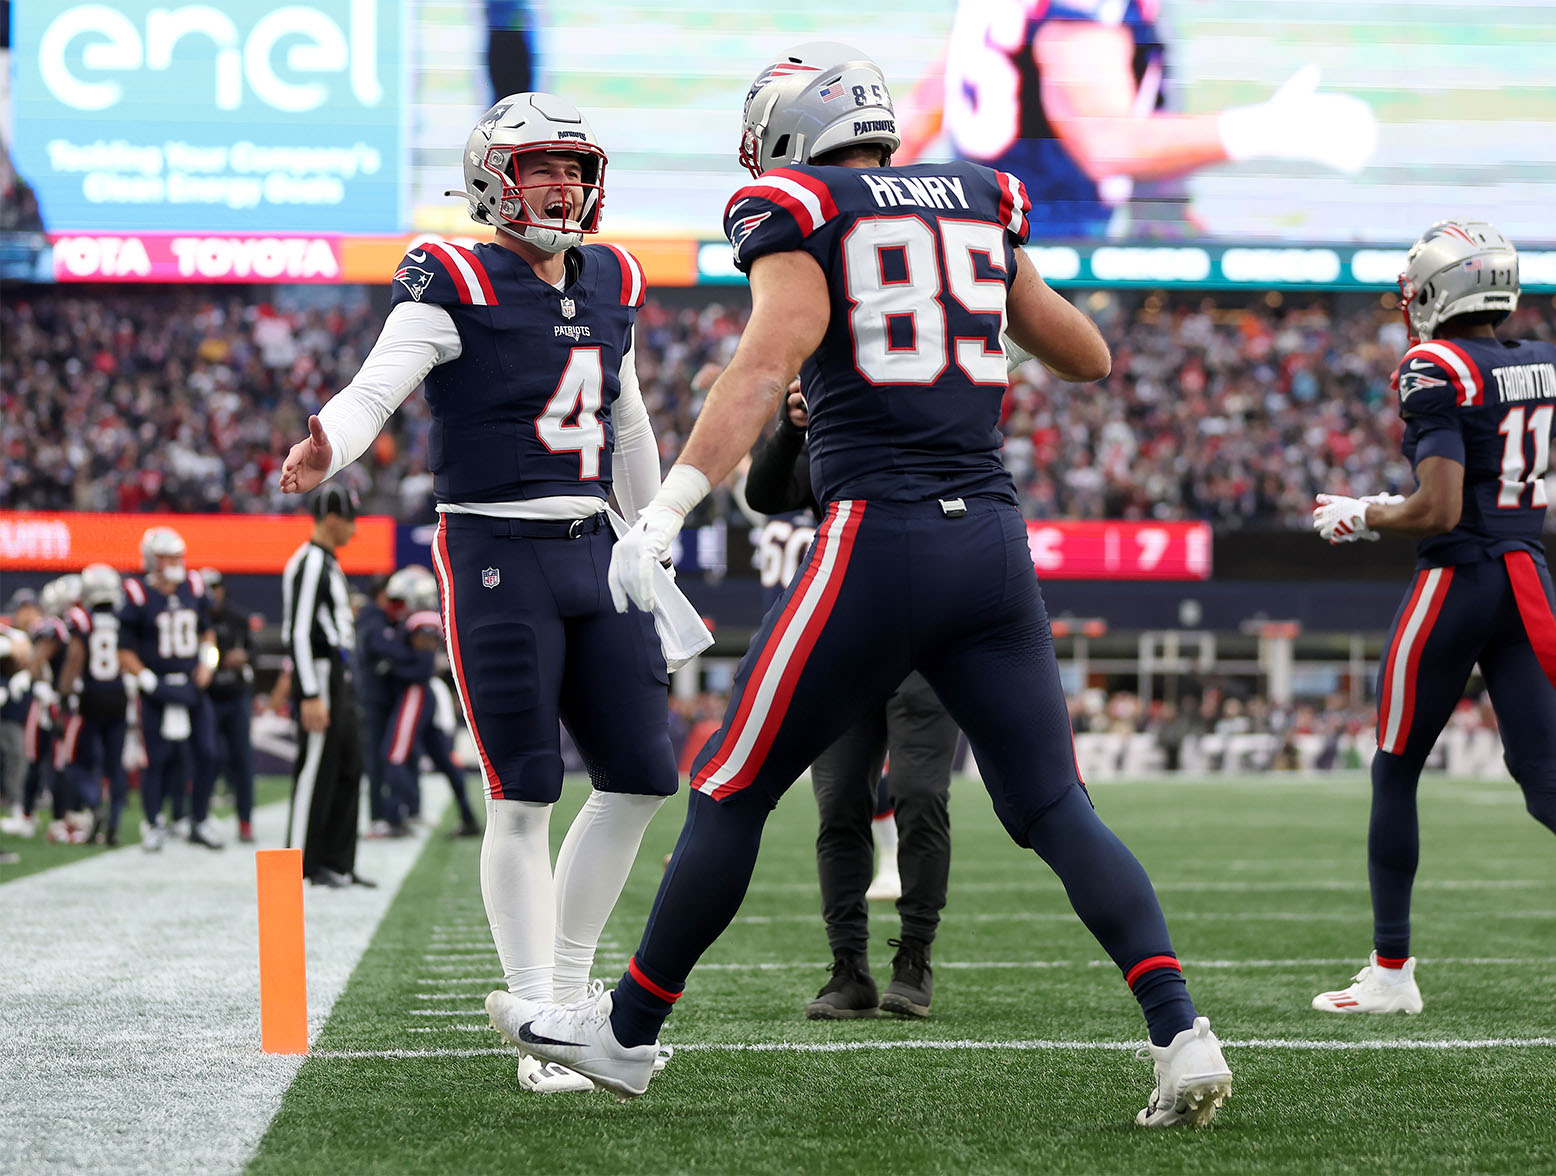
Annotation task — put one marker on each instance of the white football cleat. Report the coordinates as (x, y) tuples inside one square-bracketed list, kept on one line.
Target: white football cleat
[(1192, 1079), (887, 886), (1375, 990), (153, 837), (579, 1036)]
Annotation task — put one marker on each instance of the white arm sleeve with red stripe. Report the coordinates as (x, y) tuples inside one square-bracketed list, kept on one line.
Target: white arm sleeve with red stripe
[(416, 338), (635, 463)]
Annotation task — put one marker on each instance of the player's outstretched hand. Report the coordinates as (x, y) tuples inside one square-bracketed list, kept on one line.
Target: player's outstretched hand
[(308, 461), (1339, 519), (637, 554), (1301, 122)]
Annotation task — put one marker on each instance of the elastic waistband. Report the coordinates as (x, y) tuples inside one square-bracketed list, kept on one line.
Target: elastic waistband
[(940, 508)]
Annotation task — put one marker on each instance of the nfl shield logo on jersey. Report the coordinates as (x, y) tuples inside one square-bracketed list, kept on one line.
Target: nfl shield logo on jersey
[(569, 308), (490, 577)]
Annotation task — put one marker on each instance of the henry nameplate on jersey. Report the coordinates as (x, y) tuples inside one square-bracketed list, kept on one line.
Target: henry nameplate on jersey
[(927, 191)]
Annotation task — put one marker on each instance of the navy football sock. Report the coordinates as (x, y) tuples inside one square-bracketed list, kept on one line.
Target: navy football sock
[(703, 887), (1109, 890), (1393, 849)]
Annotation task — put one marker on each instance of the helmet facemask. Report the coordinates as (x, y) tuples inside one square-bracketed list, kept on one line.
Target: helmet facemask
[(551, 214)]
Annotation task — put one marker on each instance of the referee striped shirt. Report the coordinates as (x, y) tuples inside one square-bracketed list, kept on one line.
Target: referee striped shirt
[(316, 621)]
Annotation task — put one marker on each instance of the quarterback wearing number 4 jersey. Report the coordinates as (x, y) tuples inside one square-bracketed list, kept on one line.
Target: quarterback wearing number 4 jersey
[(526, 346), (1478, 425), (887, 290)]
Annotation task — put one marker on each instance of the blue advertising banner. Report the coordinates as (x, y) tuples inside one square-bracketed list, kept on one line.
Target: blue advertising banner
[(252, 117)]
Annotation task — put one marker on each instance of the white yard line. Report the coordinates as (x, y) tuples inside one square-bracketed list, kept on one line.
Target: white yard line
[(129, 1002), (1033, 1046)]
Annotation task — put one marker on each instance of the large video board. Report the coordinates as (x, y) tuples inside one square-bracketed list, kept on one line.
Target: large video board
[(249, 139)]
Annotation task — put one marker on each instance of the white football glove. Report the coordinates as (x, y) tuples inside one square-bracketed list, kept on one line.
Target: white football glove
[(637, 553), (1298, 122), (1339, 519)]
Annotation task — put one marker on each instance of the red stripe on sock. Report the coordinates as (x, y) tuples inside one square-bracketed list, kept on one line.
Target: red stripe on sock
[(1386, 962), (1151, 964), (637, 974)]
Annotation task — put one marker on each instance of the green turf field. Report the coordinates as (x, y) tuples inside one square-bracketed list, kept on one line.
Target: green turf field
[(1264, 885), (38, 853)]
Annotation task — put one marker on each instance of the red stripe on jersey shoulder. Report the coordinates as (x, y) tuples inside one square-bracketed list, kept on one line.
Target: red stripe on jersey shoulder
[(474, 262), (134, 591), (80, 618), (196, 582), (633, 285), (817, 189), (1452, 361)]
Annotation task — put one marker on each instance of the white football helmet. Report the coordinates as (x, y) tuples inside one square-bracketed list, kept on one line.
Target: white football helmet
[(1458, 267), (415, 587), (101, 585), (59, 594), (816, 98), (515, 126), (162, 554)]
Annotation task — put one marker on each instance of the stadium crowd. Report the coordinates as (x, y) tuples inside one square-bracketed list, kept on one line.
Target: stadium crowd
[(183, 399)]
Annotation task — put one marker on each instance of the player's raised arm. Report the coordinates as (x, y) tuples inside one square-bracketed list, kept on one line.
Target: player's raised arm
[(416, 337), (1045, 324)]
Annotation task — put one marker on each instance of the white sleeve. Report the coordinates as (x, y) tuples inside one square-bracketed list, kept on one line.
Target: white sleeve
[(415, 339), (635, 464)]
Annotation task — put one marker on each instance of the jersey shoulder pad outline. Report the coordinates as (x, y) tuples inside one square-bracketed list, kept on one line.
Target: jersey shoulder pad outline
[(634, 287), (444, 274), (1438, 364)]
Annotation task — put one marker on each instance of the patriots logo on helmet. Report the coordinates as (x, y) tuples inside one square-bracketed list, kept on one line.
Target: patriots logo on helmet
[(493, 116), (743, 228), (415, 279), (773, 72)]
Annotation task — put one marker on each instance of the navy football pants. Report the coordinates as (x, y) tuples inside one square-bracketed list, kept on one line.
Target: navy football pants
[(888, 588), (1497, 613), (533, 640), (95, 750), (412, 730)]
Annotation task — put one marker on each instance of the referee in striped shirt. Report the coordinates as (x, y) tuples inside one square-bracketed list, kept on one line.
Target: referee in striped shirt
[(320, 635)]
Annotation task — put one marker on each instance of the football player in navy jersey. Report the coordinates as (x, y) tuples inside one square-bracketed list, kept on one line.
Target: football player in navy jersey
[(1478, 418), (887, 290), (166, 644), (94, 683), (526, 346)]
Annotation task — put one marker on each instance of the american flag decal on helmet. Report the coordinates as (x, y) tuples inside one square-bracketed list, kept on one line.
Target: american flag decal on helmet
[(830, 93)]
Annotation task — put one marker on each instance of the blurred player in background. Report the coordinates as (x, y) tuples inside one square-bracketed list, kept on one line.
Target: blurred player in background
[(15, 700), (50, 639), (97, 712), (526, 345), (230, 700), (510, 47), (166, 644), (1478, 418), (886, 289), (1070, 97), (386, 658), (914, 728), (413, 729)]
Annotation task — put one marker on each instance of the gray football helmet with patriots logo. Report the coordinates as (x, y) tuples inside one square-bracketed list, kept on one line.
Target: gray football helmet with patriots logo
[(518, 125), (1458, 267), (816, 98)]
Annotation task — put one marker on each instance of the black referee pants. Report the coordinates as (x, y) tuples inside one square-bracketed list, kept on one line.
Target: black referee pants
[(326, 780), (921, 737)]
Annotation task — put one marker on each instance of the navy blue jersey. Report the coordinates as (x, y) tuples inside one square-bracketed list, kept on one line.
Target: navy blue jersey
[(994, 101), (98, 632), (525, 411), (905, 389), (53, 633), (1489, 406), (164, 629)]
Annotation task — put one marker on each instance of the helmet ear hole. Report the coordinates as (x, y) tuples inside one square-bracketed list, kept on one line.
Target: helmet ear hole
[(781, 147)]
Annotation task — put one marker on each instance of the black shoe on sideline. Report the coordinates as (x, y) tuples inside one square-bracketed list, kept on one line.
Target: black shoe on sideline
[(912, 979), (327, 877), (850, 993), (356, 879)]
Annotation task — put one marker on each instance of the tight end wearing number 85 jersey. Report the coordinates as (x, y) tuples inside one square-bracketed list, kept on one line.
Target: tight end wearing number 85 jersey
[(919, 261), (1489, 406)]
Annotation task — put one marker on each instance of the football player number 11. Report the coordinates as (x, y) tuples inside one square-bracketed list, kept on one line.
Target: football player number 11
[(1518, 474), (571, 420)]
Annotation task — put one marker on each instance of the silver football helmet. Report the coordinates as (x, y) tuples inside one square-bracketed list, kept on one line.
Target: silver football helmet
[(59, 594), (162, 554), (515, 126), (101, 585), (816, 98), (1458, 267), (415, 587)]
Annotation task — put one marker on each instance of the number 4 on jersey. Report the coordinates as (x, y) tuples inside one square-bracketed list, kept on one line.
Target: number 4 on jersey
[(578, 397), (1517, 473)]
